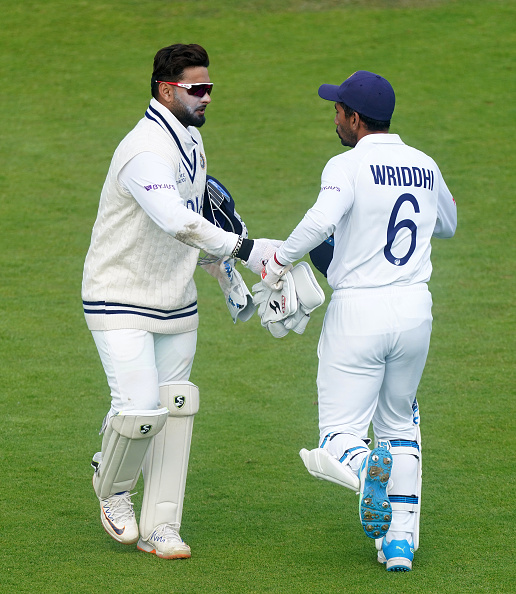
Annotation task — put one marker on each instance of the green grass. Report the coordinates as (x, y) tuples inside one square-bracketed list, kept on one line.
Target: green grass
[(74, 81)]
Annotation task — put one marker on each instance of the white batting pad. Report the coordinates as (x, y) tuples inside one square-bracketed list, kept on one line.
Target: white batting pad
[(406, 497), (126, 440), (324, 466), (166, 464)]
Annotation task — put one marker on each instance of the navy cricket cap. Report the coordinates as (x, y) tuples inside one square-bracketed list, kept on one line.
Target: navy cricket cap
[(367, 93)]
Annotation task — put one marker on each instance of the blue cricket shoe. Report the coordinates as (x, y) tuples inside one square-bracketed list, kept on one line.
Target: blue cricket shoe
[(374, 506), (397, 555)]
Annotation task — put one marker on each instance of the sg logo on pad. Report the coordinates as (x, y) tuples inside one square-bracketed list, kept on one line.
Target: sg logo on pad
[(145, 429), (179, 401)]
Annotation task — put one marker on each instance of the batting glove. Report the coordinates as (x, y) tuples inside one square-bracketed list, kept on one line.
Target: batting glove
[(272, 273), (263, 250)]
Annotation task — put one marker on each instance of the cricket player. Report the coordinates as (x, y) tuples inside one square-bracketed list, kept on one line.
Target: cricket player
[(382, 201), (140, 301)]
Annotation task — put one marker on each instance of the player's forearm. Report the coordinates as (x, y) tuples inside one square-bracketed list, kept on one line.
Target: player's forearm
[(151, 182), (334, 200), (199, 233), (444, 229), (446, 223), (188, 226), (311, 231)]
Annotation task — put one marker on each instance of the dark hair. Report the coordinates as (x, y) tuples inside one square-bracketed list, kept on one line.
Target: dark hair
[(170, 63), (369, 123)]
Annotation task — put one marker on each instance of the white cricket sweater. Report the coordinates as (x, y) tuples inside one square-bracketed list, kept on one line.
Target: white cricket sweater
[(137, 275)]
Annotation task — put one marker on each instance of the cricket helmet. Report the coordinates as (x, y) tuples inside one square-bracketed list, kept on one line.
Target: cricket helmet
[(219, 209)]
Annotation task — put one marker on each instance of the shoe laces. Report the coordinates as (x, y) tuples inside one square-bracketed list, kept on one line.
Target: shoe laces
[(166, 532), (119, 507)]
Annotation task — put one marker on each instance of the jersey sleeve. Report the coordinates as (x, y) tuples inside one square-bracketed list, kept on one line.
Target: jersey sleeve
[(446, 223), (165, 206), (334, 200)]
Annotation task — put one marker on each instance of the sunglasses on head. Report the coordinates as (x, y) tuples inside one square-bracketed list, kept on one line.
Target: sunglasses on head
[(197, 89)]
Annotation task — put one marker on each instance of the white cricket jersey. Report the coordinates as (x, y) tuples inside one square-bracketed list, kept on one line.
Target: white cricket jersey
[(383, 200)]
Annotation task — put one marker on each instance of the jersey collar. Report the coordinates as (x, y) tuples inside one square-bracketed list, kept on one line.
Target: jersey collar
[(380, 139), (164, 118)]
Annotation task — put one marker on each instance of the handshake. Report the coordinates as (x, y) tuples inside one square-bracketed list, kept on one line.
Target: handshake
[(286, 295)]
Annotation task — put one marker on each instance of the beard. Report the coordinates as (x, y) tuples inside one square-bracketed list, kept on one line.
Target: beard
[(347, 139), (187, 115)]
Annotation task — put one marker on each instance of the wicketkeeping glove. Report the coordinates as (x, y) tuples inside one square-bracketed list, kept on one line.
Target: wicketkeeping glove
[(308, 290), (239, 300), (274, 306), (296, 322), (309, 296)]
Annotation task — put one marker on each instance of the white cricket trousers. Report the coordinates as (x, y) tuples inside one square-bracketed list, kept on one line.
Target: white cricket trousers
[(137, 363), (372, 352)]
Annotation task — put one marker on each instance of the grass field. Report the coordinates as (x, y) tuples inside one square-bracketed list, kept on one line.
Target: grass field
[(74, 81)]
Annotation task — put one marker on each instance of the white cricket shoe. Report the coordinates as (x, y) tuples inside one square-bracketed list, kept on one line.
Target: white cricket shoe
[(166, 543), (118, 519)]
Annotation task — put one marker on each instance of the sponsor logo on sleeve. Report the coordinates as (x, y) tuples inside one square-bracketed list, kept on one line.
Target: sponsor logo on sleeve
[(160, 187)]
